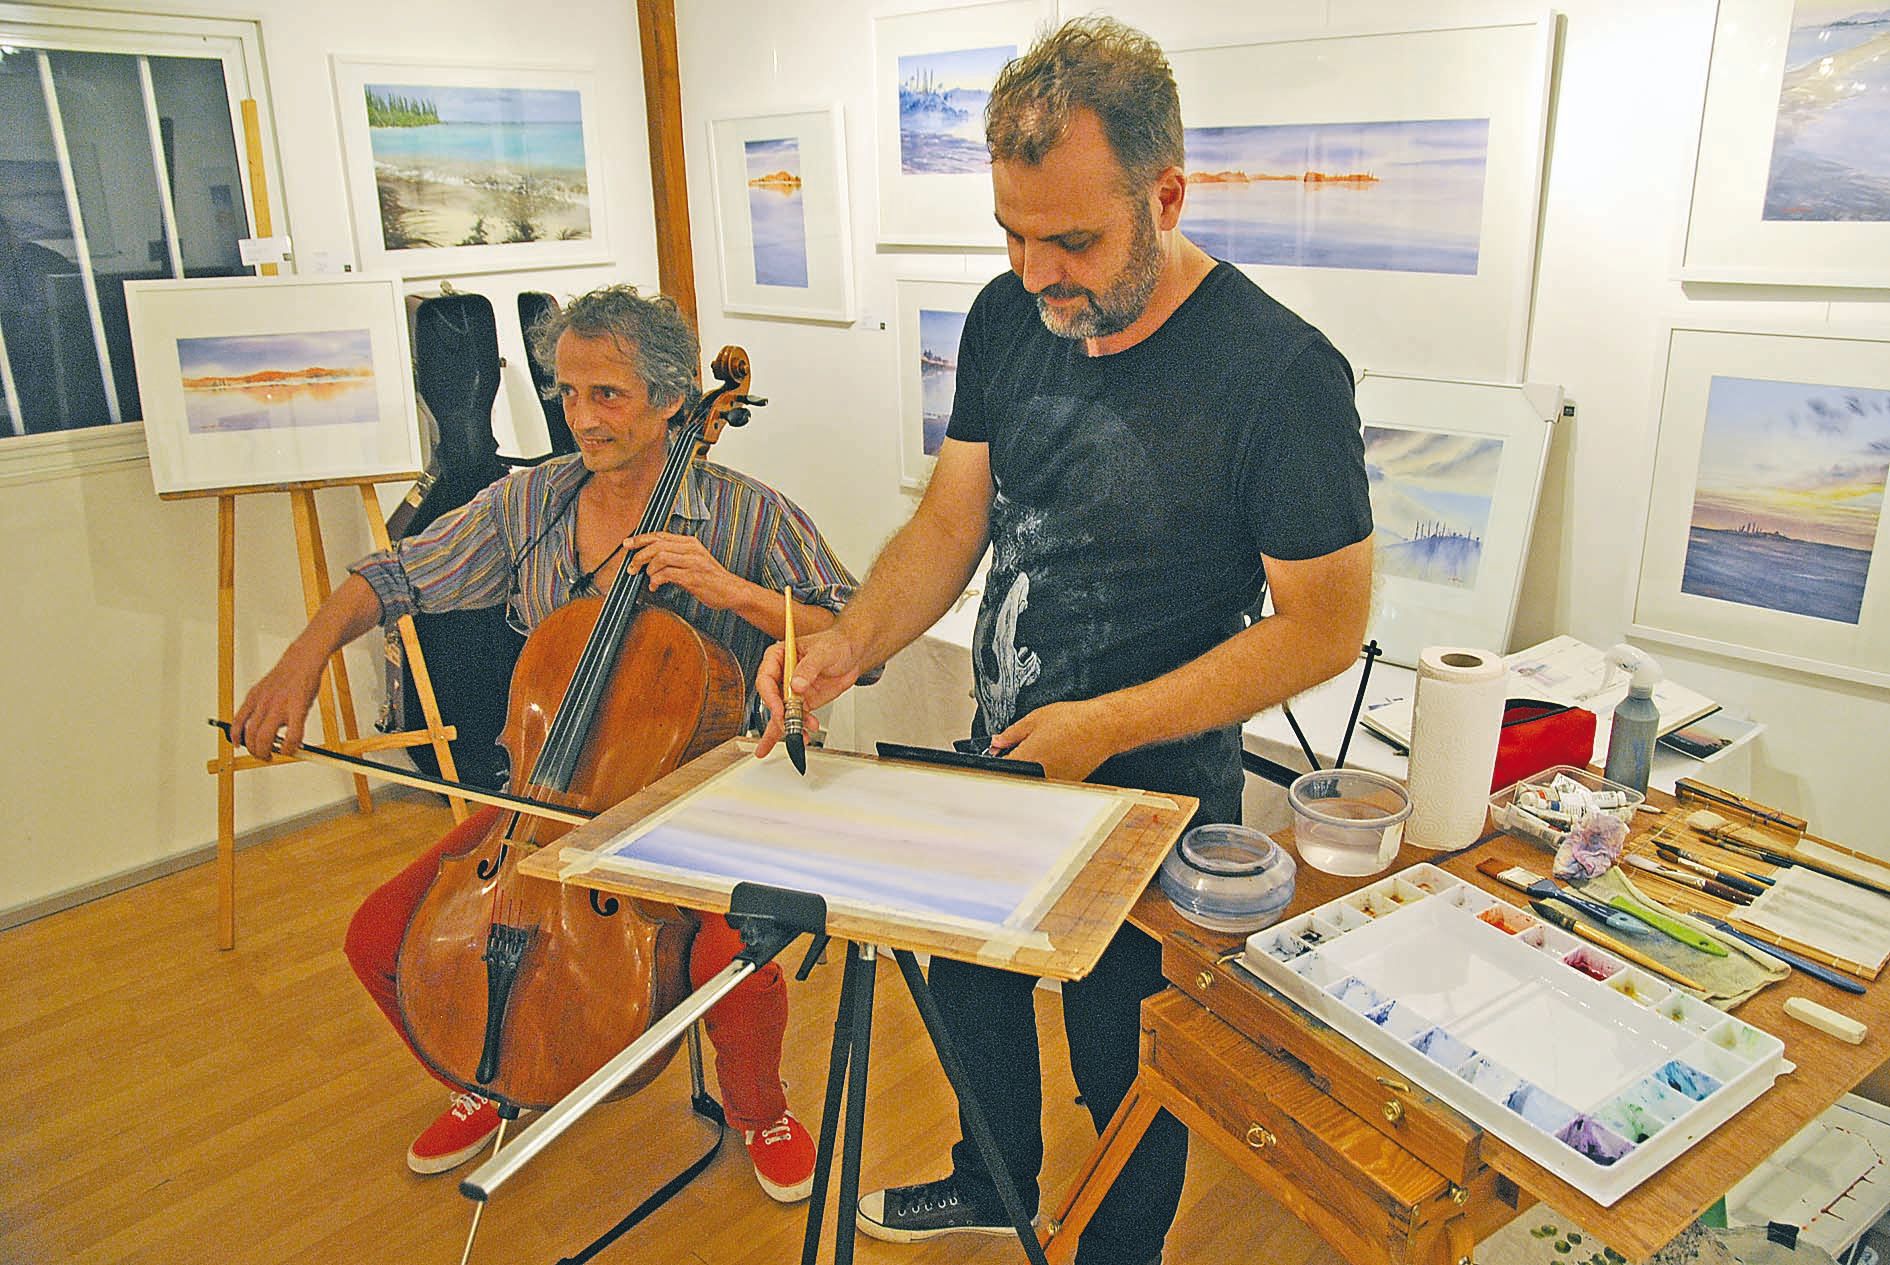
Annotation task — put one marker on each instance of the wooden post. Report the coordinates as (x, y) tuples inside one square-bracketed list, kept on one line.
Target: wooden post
[(258, 179), (338, 726), (225, 766), (662, 103)]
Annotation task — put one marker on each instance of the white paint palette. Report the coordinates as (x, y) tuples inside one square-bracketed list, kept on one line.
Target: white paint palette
[(1598, 1071)]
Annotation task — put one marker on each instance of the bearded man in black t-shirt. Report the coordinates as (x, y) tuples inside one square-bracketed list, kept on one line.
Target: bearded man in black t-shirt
[(1148, 442)]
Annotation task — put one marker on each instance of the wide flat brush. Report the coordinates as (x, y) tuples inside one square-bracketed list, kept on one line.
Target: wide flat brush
[(1560, 918), (1532, 884)]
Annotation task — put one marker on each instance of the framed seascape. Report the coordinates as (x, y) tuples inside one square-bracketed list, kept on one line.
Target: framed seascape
[(466, 169), (933, 75), (254, 382), (1455, 470), (782, 216), (1791, 182), (931, 317), (1385, 187), (1765, 529)]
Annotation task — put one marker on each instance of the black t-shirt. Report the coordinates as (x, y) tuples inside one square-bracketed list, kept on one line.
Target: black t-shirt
[(1136, 494)]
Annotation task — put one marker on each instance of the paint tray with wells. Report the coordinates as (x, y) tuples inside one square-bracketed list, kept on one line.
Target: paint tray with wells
[(1598, 1071)]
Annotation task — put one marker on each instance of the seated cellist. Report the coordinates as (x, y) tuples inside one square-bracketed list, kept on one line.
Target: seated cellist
[(535, 540)]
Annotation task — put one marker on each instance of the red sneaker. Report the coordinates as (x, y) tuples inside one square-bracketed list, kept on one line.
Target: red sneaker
[(784, 1158), (460, 1133)]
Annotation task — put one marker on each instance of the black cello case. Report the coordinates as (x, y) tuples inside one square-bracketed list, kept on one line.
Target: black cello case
[(469, 654)]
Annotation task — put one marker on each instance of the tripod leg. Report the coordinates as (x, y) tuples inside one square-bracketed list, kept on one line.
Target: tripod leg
[(846, 1223), (498, 1140), (830, 1114), (979, 1128)]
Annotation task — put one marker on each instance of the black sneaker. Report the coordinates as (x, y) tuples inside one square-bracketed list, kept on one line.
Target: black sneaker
[(906, 1214)]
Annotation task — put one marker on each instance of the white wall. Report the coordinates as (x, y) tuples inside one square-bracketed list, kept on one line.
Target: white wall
[(110, 628), (1626, 116)]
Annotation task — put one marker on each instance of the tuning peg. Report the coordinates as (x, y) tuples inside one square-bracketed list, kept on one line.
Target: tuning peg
[(758, 401), (736, 417)]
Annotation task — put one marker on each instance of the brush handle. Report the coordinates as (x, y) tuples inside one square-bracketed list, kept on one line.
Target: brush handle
[(1672, 928), (1552, 915), (1786, 956)]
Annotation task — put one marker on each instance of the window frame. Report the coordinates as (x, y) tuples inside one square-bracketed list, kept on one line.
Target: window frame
[(235, 43)]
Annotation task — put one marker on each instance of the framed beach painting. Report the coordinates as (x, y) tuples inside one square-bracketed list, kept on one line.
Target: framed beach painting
[(1791, 183), (933, 75), (258, 382), (1385, 187), (1455, 470), (781, 214), (1766, 536), (931, 317), (467, 169)]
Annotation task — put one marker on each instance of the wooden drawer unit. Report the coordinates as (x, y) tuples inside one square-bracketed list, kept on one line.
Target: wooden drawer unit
[(1367, 1196), (1404, 1113)]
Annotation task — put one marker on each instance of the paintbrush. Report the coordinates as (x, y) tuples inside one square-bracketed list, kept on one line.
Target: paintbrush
[(1733, 839), (1786, 956), (791, 723), (1687, 861), (1556, 917), (1532, 884), (1680, 878)]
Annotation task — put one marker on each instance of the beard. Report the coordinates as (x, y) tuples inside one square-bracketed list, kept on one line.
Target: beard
[(1119, 306)]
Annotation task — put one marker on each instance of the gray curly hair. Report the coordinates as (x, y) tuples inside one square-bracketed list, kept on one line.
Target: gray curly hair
[(1089, 63), (651, 331)]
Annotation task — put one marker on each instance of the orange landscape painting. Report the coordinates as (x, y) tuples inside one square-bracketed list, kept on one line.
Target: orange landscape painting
[(278, 381)]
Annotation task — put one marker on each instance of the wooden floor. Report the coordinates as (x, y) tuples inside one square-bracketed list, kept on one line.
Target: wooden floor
[(172, 1103)]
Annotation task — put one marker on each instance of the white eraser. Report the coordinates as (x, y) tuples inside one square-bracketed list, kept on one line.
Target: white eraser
[(1826, 1020)]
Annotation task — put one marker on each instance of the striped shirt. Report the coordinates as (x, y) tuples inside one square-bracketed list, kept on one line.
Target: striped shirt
[(516, 543)]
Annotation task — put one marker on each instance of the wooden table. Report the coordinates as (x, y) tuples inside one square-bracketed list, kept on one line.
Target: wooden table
[(1383, 1171)]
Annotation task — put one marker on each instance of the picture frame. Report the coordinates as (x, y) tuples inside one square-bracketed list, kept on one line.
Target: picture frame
[(932, 74), (1765, 536), (471, 168), (1314, 165), (930, 314), (1456, 471), (255, 382), (1791, 186), (782, 219)]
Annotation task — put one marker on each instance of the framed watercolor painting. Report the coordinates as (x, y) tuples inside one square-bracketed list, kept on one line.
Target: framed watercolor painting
[(1455, 470), (467, 169), (1791, 183), (257, 382), (781, 214), (933, 75), (1385, 187), (1766, 537), (931, 317)]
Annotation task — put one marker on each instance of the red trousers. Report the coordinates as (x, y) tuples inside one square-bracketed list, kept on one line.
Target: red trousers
[(746, 1027)]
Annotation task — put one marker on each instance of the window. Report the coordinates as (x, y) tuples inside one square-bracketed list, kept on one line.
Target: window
[(122, 159)]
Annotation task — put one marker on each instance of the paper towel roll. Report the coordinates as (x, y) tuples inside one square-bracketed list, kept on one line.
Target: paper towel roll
[(1457, 718)]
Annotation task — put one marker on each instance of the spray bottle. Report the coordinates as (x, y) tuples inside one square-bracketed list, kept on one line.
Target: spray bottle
[(1636, 720)]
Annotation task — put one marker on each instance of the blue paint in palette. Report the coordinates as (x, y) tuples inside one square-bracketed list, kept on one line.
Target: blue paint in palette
[(1688, 1079), (1439, 1046), (1539, 1107)]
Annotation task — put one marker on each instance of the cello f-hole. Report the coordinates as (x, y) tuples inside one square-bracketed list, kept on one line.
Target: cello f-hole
[(489, 868)]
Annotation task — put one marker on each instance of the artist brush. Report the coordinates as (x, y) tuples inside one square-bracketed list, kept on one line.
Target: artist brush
[(1786, 956), (1556, 917), (1688, 861), (791, 723), (1680, 878), (1774, 856), (1686, 789), (1532, 884)]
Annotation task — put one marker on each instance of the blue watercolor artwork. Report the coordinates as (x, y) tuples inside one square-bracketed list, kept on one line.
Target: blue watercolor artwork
[(1790, 489), (278, 381), (777, 217), (1403, 196), (939, 333), (1431, 495), (460, 166), (1831, 140), (941, 109)]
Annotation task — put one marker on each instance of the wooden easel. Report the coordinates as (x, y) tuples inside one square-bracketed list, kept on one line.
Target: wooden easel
[(335, 698)]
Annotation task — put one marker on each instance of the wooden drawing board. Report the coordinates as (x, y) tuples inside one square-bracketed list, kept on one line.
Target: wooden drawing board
[(1068, 937)]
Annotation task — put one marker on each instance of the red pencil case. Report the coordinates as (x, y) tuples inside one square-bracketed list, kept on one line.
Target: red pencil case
[(1537, 736)]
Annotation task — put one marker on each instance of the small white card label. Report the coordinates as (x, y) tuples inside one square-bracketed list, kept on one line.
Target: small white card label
[(256, 251)]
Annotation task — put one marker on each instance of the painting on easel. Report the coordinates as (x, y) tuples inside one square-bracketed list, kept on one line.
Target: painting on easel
[(256, 382)]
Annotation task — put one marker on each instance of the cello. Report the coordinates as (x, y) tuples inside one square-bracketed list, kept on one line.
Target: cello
[(518, 988)]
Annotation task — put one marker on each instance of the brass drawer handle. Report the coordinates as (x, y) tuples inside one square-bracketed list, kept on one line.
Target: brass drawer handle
[(1259, 1137), (1205, 980), (1393, 1109)]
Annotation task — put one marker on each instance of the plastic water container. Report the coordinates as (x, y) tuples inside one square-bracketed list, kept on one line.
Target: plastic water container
[(1228, 878), (1348, 821)]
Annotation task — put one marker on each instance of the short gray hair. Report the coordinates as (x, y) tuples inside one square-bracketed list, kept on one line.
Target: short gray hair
[(652, 332), (1089, 63)]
